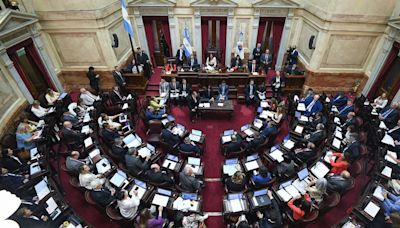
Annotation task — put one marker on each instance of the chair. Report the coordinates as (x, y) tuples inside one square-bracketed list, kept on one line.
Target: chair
[(241, 94), (155, 127), (311, 216), (356, 168), (154, 139), (113, 213), (74, 181), (331, 200), (352, 184), (9, 141), (89, 199), (234, 154), (166, 148), (185, 154)]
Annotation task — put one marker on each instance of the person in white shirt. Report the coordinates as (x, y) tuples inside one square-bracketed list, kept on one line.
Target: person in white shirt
[(51, 96), (193, 220), (211, 62), (104, 118), (87, 97), (239, 50), (86, 177), (164, 88), (128, 205), (38, 110), (381, 101)]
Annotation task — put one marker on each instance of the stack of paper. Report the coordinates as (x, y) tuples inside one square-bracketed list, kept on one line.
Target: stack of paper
[(389, 158), (86, 118), (289, 144), (372, 209), (378, 193), (277, 155), (387, 171), (85, 129)]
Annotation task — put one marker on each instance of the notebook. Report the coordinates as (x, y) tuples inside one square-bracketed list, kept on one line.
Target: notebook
[(34, 153), (236, 205), (169, 164), (249, 132), (252, 157), (85, 129), (372, 209)]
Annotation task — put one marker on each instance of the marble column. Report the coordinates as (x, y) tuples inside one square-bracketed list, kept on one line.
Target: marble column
[(14, 73), (284, 40), (172, 30), (381, 59), (229, 34), (141, 33), (197, 31), (47, 62), (254, 29)]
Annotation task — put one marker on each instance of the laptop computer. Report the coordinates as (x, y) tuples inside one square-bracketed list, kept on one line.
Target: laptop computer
[(193, 161), (232, 161), (260, 198), (245, 127), (172, 157), (118, 178), (189, 196), (229, 132), (164, 191), (252, 157), (197, 132), (303, 174)]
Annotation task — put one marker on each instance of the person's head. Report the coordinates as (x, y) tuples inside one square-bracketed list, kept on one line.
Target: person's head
[(145, 216), (116, 68), (310, 145), (350, 115), (251, 82), (279, 110), (263, 171), (7, 152), (351, 129), (211, 55), (349, 102), (383, 96), (188, 170), (394, 105), (183, 81), (96, 184), (173, 80), (345, 174), (310, 92), (75, 155), (121, 195), (321, 184), (320, 126), (49, 91), (67, 124), (258, 45), (240, 45), (22, 129), (138, 49), (237, 56), (84, 169), (318, 115), (162, 80), (116, 88), (238, 177), (209, 87), (187, 140), (83, 90), (254, 61), (194, 94), (278, 73), (316, 97), (118, 141), (24, 212), (223, 82), (266, 51), (155, 167), (106, 126), (91, 68), (36, 104)]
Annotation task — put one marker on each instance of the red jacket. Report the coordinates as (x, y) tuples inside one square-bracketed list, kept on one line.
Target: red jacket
[(297, 212), (339, 165)]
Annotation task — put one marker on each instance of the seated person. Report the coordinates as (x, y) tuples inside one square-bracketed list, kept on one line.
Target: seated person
[(263, 177), (352, 150), (185, 90), (70, 136), (304, 154), (256, 142), (380, 102), (394, 184), (350, 134), (25, 139), (391, 204), (236, 63), (128, 206), (301, 206), (390, 115), (193, 220), (157, 103), (174, 87), (67, 116), (339, 182), (11, 182), (102, 196), (207, 94), (235, 145), (223, 91), (395, 132), (11, 162), (31, 125), (271, 215), (346, 109), (146, 219), (237, 182), (317, 190), (133, 69), (116, 96), (73, 163), (188, 181), (286, 168), (26, 218), (193, 64), (170, 138), (118, 149), (136, 163), (250, 92), (152, 114), (261, 90), (350, 120), (319, 118), (253, 67), (87, 97), (340, 164), (293, 70), (78, 109), (193, 103), (272, 125), (104, 118), (86, 177), (155, 175), (340, 100), (51, 96), (211, 63), (313, 106), (164, 89), (109, 135), (315, 136), (189, 146), (38, 110)]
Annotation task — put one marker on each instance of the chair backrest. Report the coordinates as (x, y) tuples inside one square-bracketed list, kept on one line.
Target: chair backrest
[(113, 213), (9, 141), (89, 199), (311, 216)]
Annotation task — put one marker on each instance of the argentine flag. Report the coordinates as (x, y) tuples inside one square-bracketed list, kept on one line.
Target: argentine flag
[(186, 43), (125, 20)]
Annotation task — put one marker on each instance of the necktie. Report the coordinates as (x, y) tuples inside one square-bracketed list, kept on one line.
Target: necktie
[(253, 69), (345, 108), (310, 106), (223, 90), (251, 90), (387, 113)]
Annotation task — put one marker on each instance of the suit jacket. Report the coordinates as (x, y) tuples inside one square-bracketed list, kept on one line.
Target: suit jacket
[(233, 187), (188, 89), (339, 101), (195, 63), (189, 183), (395, 134), (337, 183), (293, 57), (226, 92), (250, 65), (352, 151), (158, 177), (153, 115), (115, 98), (316, 108), (345, 110), (102, 197), (234, 146), (72, 137), (193, 103), (136, 164), (247, 90), (266, 59), (73, 165), (316, 136), (257, 54), (188, 147), (110, 136), (11, 182), (94, 82), (142, 58), (236, 64), (10, 163), (392, 118), (178, 54), (282, 81), (177, 86), (207, 94), (33, 223), (119, 78), (71, 118), (170, 138), (119, 151)]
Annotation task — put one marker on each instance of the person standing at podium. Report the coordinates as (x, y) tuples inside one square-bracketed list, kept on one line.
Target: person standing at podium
[(144, 61), (253, 66)]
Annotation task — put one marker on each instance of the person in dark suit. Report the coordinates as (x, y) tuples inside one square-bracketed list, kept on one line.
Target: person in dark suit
[(395, 131), (168, 137), (132, 68), (189, 146), (152, 114), (155, 175), (306, 153), (109, 134), (235, 145), (11, 162), (119, 79), (390, 115), (135, 163), (316, 136), (9, 181), (271, 216), (237, 182), (293, 55), (193, 103), (180, 56), (72, 162), (313, 106), (256, 142), (118, 149), (26, 218), (266, 60), (67, 116), (207, 95), (277, 82), (193, 63), (116, 96), (102, 196), (253, 67), (93, 79), (188, 181), (257, 53), (350, 120), (223, 91), (174, 89), (352, 150), (339, 183), (144, 61), (185, 90), (236, 63), (261, 90), (250, 93), (293, 70), (339, 100), (70, 136), (319, 118), (346, 109)]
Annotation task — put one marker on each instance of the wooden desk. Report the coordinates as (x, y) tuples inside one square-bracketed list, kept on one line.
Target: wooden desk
[(136, 82), (214, 108)]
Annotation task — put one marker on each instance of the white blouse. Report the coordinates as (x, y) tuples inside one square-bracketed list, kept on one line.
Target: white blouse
[(129, 206)]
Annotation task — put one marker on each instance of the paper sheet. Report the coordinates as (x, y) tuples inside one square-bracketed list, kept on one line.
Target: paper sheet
[(319, 170), (289, 144), (236, 205), (88, 142), (301, 107), (372, 209), (284, 195), (387, 171), (51, 205), (390, 159), (336, 143), (378, 193), (251, 165), (388, 140), (160, 200), (299, 129)]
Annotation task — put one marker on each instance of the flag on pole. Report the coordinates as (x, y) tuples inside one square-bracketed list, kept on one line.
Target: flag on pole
[(125, 19), (186, 42)]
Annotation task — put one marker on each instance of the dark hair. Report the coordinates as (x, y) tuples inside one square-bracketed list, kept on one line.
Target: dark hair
[(263, 171), (243, 224), (304, 205), (144, 217), (120, 195), (91, 68), (4, 151)]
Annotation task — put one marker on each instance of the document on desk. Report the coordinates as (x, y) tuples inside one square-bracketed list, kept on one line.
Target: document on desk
[(382, 125), (125, 106), (229, 169), (338, 134), (206, 105), (292, 191), (141, 191), (303, 118), (194, 138), (300, 185), (328, 156), (334, 109), (319, 170), (336, 143), (249, 132), (372, 209), (85, 129), (257, 123), (42, 189), (144, 152), (51, 205), (220, 104), (88, 142), (284, 195), (264, 104), (263, 115), (389, 158), (35, 168), (226, 139), (301, 107), (277, 155), (94, 153), (289, 144), (251, 165), (299, 129), (86, 118), (169, 164), (387, 171), (160, 200), (34, 153), (236, 205), (103, 166), (378, 193), (388, 140), (39, 133), (337, 121)]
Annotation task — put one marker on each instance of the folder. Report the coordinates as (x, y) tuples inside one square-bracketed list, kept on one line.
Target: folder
[(301, 107)]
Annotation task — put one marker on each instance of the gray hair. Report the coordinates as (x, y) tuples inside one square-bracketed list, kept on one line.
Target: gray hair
[(321, 185)]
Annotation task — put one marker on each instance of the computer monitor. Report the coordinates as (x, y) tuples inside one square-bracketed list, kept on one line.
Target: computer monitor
[(229, 132), (303, 174)]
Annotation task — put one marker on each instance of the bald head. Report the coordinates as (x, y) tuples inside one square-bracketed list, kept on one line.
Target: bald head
[(345, 174), (155, 167), (67, 124)]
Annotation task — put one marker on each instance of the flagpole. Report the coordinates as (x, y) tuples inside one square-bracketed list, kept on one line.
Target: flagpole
[(133, 51)]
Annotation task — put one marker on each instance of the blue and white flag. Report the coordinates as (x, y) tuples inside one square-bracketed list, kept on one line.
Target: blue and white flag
[(125, 20), (186, 43)]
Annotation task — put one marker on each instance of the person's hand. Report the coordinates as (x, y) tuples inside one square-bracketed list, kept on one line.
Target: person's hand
[(147, 158), (385, 194), (44, 218), (112, 191), (297, 197), (259, 215), (26, 176), (160, 209), (269, 194)]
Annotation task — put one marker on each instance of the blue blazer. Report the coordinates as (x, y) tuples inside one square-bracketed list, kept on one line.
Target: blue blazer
[(189, 148), (339, 101), (345, 110), (316, 108), (392, 118), (308, 100), (226, 90), (151, 115)]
